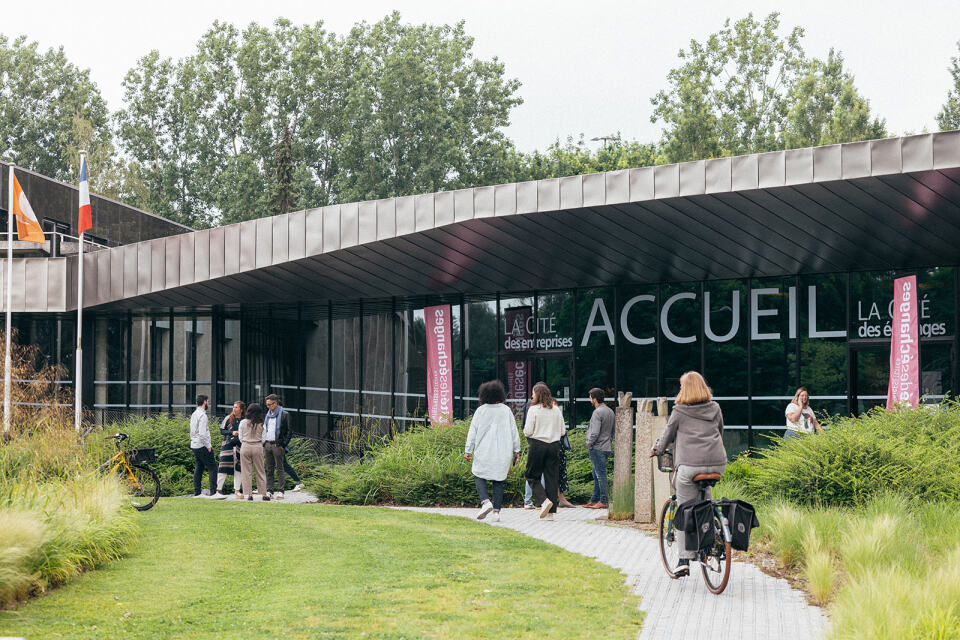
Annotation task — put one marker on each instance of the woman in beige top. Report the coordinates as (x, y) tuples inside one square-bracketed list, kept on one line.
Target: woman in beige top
[(251, 452), (543, 429)]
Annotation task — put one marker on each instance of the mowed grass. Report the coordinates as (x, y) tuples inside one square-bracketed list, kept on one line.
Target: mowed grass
[(205, 569)]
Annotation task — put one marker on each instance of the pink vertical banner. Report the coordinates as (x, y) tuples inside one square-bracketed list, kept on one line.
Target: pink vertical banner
[(904, 386), (439, 364)]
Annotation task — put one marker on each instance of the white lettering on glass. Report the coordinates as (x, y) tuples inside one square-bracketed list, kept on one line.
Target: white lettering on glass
[(734, 312), (624, 326), (598, 306), (665, 325), (756, 312), (812, 317)]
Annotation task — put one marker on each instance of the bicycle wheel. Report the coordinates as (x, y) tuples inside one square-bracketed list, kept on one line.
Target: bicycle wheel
[(142, 488), (715, 563), (669, 545)]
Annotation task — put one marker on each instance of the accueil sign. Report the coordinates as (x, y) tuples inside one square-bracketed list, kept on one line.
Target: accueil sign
[(762, 314)]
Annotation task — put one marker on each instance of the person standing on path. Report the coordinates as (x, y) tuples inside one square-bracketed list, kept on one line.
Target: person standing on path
[(251, 452), (492, 445), (543, 428), (696, 427), (202, 448), (599, 446), (801, 419), (276, 436), (230, 449)]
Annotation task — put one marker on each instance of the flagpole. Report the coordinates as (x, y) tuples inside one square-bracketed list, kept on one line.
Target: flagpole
[(78, 359), (6, 357)]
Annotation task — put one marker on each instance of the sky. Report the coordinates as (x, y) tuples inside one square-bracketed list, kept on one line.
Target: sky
[(587, 67)]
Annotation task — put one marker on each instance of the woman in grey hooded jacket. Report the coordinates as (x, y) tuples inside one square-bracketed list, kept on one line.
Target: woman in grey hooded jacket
[(695, 428)]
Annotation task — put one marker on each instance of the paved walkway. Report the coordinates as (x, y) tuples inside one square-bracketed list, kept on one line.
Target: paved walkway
[(754, 605)]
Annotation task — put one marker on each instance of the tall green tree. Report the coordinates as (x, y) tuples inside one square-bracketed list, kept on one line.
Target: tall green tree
[(296, 113), (826, 108), (49, 109), (422, 113), (749, 89), (949, 116)]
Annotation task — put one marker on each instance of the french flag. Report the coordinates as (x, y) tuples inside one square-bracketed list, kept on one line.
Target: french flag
[(85, 222)]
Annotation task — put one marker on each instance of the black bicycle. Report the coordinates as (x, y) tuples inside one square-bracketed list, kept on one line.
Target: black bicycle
[(715, 558), (141, 485)]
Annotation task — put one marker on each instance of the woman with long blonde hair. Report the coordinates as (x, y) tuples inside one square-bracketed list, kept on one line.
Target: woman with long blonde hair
[(695, 428), (544, 428)]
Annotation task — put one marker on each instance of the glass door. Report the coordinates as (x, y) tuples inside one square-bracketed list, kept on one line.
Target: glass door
[(871, 371), (521, 372)]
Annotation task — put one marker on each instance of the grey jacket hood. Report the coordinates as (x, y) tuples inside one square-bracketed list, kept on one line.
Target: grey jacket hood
[(707, 411)]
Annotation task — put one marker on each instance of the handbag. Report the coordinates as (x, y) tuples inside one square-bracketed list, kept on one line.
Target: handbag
[(565, 443)]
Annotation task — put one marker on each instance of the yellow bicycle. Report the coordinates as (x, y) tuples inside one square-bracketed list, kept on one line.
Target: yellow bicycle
[(141, 485)]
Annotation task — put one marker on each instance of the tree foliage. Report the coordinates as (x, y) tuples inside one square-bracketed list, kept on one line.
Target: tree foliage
[(574, 157), (49, 110), (298, 115), (949, 116), (749, 89)]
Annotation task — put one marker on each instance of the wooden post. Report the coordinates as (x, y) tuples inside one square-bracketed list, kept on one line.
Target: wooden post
[(621, 493), (644, 510)]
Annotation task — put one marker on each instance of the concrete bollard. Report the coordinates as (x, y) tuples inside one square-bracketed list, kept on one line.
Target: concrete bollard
[(621, 493), (661, 481), (644, 466)]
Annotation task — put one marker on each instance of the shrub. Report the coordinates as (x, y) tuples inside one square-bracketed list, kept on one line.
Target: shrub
[(425, 466), (911, 451)]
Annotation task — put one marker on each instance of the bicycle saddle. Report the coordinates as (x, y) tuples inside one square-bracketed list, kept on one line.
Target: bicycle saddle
[(707, 477)]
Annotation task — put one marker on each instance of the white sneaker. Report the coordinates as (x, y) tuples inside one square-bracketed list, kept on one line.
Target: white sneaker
[(495, 517), (219, 496), (548, 517), (529, 506), (485, 508), (298, 487), (545, 509), (278, 495)]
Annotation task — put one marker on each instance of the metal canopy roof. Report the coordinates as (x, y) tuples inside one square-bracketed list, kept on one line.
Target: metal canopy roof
[(882, 204)]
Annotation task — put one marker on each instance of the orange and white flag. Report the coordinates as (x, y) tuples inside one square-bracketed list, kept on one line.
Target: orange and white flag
[(28, 227)]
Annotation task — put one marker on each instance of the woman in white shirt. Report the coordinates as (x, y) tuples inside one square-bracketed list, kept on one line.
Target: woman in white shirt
[(800, 417), (492, 444), (543, 429)]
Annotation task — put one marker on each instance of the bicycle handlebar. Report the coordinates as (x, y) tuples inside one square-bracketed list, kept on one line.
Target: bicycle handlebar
[(119, 437)]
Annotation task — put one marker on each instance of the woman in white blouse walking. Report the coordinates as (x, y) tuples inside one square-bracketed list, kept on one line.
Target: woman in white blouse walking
[(544, 428), (492, 443), (800, 417)]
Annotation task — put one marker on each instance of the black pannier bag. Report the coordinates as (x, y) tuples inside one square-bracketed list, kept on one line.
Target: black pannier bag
[(742, 518), (695, 518)]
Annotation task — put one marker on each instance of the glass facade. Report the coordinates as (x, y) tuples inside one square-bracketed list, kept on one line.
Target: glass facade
[(362, 366)]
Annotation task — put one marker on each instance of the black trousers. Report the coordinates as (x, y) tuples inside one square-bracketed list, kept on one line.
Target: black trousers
[(543, 458), (203, 459)]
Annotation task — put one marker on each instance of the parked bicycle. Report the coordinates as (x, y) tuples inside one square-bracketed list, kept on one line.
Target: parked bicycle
[(141, 485), (715, 555)]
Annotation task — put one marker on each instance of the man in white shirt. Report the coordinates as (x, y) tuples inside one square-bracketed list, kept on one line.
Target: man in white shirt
[(276, 437), (202, 447)]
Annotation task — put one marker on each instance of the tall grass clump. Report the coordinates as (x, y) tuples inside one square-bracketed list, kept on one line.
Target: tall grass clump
[(56, 519), (913, 452)]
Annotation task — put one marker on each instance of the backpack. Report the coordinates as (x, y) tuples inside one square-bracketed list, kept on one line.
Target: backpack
[(696, 519), (742, 518)]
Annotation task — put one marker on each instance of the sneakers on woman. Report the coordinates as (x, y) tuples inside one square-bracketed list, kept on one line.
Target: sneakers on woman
[(298, 487), (495, 516), (219, 496), (529, 506), (545, 509), (548, 517), (485, 508)]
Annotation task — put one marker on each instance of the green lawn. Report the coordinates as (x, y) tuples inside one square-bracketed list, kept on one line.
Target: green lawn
[(242, 570)]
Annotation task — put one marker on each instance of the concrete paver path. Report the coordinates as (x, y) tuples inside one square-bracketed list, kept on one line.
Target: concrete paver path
[(754, 605)]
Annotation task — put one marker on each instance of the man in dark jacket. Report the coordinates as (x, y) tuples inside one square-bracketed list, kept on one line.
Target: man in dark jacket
[(599, 446), (276, 436)]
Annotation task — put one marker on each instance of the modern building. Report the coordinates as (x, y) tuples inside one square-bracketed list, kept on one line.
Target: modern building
[(766, 272)]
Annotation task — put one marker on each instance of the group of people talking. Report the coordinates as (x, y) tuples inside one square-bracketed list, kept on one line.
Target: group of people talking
[(255, 445)]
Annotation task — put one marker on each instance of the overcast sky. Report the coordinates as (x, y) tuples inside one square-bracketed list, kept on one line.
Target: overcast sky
[(587, 67)]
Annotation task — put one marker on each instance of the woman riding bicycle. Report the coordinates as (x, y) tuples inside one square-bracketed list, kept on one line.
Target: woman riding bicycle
[(695, 428)]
